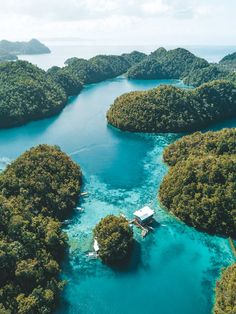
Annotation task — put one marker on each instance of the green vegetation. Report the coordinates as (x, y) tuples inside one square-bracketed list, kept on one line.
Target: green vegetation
[(115, 239), (33, 46), (6, 56), (204, 75), (40, 186), (172, 64), (200, 186), (201, 144), (71, 85), (225, 292), (171, 109), (27, 93), (102, 67), (229, 62)]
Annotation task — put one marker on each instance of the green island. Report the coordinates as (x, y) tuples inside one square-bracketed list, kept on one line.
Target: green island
[(102, 67), (172, 109), (181, 64), (38, 189), (225, 301), (30, 47), (115, 239), (27, 93), (200, 185)]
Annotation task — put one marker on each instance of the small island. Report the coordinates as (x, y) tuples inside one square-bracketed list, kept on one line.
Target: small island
[(171, 109), (114, 237), (200, 185), (38, 189)]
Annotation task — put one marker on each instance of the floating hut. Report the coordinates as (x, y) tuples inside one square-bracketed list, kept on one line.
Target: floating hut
[(144, 215)]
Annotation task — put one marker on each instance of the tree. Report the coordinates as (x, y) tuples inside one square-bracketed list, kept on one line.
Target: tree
[(115, 239)]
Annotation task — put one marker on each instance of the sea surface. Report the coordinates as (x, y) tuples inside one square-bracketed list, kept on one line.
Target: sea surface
[(174, 269)]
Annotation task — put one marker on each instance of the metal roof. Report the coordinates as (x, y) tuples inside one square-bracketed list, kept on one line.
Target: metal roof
[(144, 213)]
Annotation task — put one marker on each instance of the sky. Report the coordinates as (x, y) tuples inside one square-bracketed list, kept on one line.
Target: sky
[(161, 22)]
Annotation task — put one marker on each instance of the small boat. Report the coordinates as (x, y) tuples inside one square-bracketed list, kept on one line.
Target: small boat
[(84, 194), (92, 255), (79, 209), (66, 222)]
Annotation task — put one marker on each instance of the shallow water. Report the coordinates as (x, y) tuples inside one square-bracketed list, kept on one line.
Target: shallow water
[(174, 269)]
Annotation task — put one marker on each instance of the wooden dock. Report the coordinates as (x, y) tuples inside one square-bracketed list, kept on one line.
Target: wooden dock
[(145, 229)]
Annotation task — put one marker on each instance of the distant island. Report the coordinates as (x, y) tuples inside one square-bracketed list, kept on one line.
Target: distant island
[(9, 50), (200, 185), (33, 201), (172, 109)]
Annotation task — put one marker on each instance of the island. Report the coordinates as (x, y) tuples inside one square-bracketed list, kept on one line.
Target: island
[(182, 64), (102, 67), (38, 190), (31, 47), (7, 56), (114, 237), (200, 185), (163, 64), (225, 292), (171, 109), (27, 93)]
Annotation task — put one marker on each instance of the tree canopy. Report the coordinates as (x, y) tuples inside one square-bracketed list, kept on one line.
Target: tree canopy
[(171, 109), (27, 93), (38, 187), (225, 292), (115, 239), (163, 64), (200, 186)]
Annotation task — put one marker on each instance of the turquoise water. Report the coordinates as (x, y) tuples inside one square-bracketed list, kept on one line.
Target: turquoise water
[(174, 269)]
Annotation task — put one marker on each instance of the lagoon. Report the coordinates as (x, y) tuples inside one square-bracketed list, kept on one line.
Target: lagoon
[(174, 269)]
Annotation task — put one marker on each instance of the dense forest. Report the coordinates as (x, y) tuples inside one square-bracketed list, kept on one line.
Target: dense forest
[(33, 46), (174, 64), (181, 64), (37, 189), (102, 67), (115, 239), (171, 109), (27, 93), (201, 183), (225, 292)]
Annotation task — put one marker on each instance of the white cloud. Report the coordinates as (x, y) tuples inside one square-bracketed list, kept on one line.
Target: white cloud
[(157, 21), (155, 7)]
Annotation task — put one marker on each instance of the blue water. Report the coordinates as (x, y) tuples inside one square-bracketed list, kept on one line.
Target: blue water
[(173, 270)]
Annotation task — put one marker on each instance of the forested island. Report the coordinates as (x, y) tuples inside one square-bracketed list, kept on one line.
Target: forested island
[(200, 185), (28, 93), (181, 64), (115, 239), (38, 190), (30, 47), (172, 109), (225, 292)]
